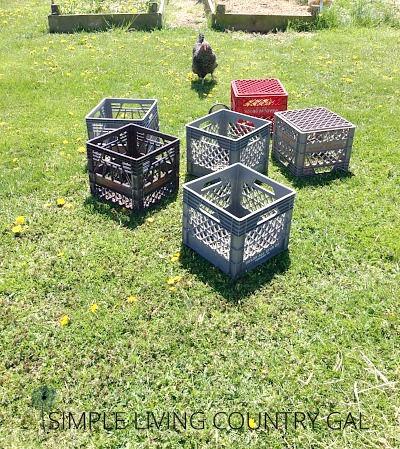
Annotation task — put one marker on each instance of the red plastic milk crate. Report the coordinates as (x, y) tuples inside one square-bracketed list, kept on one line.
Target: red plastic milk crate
[(259, 98)]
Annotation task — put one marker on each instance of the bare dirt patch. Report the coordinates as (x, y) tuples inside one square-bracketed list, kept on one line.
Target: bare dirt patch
[(190, 13), (185, 13), (275, 7)]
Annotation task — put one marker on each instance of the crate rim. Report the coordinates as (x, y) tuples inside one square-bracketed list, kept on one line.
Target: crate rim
[(93, 144), (122, 128), (90, 115), (281, 114), (187, 186), (263, 123), (283, 93)]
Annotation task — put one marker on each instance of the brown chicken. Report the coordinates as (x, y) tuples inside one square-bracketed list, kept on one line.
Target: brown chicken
[(204, 59)]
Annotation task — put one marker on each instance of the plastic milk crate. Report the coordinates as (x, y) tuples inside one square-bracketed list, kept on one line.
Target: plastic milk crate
[(236, 218), (225, 137), (112, 113), (311, 141), (133, 166), (259, 98)]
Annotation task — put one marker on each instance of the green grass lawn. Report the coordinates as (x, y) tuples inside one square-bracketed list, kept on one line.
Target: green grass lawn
[(314, 330)]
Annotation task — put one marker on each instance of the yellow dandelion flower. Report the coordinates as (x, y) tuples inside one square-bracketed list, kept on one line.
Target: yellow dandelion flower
[(131, 299), (17, 229), (150, 219), (252, 423), (94, 307), (172, 289), (60, 254), (20, 220), (160, 240), (175, 257), (81, 150), (68, 74), (15, 160), (174, 280), (60, 202), (64, 320)]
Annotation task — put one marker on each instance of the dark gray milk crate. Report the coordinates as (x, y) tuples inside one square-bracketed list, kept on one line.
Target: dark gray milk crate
[(112, 113), (225, 137), (133, 166), (311, 141), (236, 218)]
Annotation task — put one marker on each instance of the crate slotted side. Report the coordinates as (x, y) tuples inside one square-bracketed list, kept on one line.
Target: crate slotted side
[(236, 218), (133, 166), (259, 98), (223, 138), (312, 141), (113, 113)]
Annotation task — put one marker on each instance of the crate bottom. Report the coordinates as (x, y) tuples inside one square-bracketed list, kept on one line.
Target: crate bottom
[(123, 200), (232, 269), (216, 244), (316, 164)]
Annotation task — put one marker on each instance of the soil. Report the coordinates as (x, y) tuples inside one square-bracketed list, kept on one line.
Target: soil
[(191, 13), (273, 7)]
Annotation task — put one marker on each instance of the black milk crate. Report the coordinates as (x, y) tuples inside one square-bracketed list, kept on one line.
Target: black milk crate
[(312, 141), (225, 137), (112, 113), (236, 218), (133, 166)]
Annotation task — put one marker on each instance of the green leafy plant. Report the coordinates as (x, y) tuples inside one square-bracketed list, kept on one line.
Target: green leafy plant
[(102, 6)]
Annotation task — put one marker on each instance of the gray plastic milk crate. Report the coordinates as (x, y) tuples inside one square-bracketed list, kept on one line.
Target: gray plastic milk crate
[(225, 137), (133, 166), (312, 141), (236, 218), (112, 113)]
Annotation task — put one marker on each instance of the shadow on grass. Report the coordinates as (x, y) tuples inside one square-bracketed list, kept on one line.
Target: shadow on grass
[(233, 290), (320, 179), (203, 90), (126, 217)]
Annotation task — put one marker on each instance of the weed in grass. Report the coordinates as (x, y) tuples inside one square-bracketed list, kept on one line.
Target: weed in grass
[(357, 13)]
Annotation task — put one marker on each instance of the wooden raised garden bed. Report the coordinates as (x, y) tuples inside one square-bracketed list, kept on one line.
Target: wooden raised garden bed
[(257, 21), (69, 23)]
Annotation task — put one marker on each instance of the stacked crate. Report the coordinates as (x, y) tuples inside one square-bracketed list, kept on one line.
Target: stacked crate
[(312, 141), (133, 166), (236, 218), (112, 113), (223, 138), (259, 98)]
